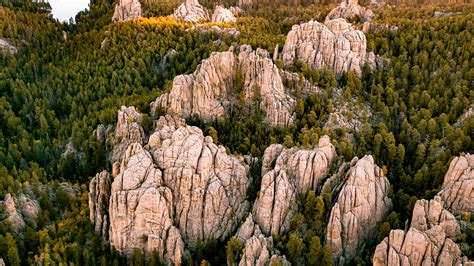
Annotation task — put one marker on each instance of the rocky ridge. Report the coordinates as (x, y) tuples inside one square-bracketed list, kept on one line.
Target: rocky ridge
[(210, 89), (127, 9), (335, 45), (222, 14), (360, 206)]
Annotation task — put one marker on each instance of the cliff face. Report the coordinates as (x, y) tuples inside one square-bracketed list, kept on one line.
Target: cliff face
[(335, 45), (361, 205), (211, 88)]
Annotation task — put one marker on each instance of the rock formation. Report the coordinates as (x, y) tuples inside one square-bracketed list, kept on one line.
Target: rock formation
[(127, 9), (288, 173), (361, 205), (99, 195), (177, 188), (210, 89), (349, 9), (6, 47), (222, 14), (427, 241), (458, 186), (21, 210), (258, 249), (191, 11), (128, 130), (334, 45)]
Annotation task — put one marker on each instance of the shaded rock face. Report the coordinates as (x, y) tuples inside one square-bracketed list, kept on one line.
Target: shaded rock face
[(334, 45), (99, 194), (350, 9), (191, 11), (458, 186), (20, 210), (427, 241), (178, 188), (361, 205), (210, 89), (286, 174), (127, 9), (6, 47), (222, 14)]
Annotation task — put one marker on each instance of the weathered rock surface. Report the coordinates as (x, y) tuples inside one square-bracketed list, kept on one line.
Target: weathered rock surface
[(427, 241), (210, 89), (128, 130), (334, 45), (222, 14), (127, 9), (348, 117), (458, 186), (377, 3), (21, 210), (191, 11), (99, 195), (288, 173), (349, 9), (179, 188), (376, 27), (361, 205), (258, 249), (6, 47)]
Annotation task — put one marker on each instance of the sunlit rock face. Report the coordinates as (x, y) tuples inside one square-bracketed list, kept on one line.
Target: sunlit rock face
[(191, 11)]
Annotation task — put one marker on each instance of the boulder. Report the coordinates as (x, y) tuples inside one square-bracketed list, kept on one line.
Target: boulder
[(191, 11), (210, 89), (360, 207), (127, 9), (222, 14), (350, 9), (458, 186), (334, 45)]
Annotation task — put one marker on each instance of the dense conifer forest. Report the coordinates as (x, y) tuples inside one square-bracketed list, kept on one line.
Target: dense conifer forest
[(63, 82)]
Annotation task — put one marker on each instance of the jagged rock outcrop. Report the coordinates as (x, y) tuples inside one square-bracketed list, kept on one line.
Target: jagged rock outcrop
[(458, 186), (334, 45), (127, 9), (428, 241), (6, 47), (349, 9), (191, 11), (105, 43), (99, 195), (466, 117), (361, 205), (175, 191), (348, 117), (288, 173), (101, 133), (128, 130), (376, 27), (203, 29), (211, 88), (20, 210), (222, 14), (258, 249), (377, 3)]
